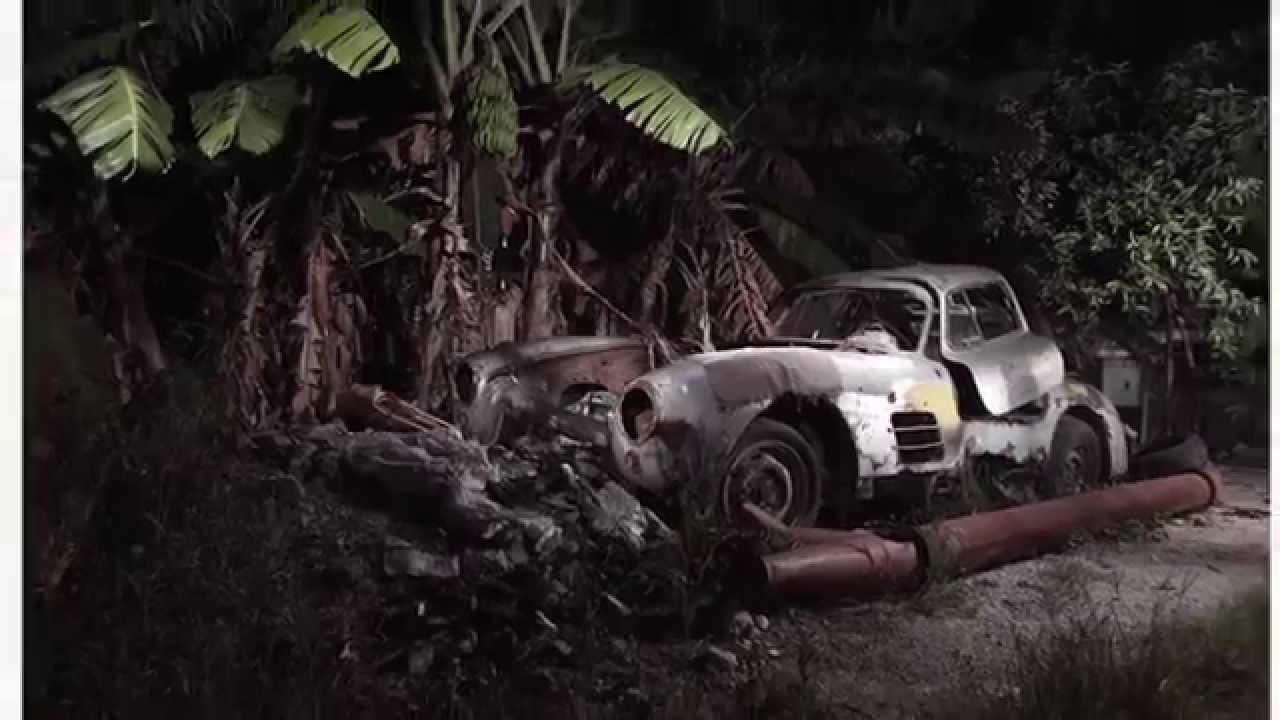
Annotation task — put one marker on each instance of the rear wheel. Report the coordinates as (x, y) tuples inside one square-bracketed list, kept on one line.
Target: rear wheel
[(777, 469), (1075, 459)]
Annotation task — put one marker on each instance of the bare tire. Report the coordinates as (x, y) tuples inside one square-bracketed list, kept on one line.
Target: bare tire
[(1075, 459), (776, 468), (1170, 456)]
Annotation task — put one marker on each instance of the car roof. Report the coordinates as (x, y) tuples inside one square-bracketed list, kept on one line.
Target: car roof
[(942, 278)]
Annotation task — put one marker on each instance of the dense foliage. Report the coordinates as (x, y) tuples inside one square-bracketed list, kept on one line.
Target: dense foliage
[(1157, 169)]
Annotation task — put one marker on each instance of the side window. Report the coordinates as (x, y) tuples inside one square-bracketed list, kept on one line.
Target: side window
[(996, 313), (962, 323)]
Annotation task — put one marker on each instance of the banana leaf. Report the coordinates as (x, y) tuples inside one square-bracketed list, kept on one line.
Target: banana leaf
[(118, 119), (652, 103), (249, 115), (347, 36)]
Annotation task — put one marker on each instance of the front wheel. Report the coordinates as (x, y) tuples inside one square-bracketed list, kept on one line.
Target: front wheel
[(777, 469), (1075, 459)]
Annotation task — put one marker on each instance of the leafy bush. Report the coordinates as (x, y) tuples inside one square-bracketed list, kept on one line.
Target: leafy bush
[(1158, 172)]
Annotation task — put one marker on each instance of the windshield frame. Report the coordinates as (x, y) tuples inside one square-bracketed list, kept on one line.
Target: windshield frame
[(912, 289)]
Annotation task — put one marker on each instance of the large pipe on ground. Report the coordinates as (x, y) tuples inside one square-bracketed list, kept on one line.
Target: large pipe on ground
[(834, 562)]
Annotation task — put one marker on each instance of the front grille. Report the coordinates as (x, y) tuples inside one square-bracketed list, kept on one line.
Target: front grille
[(919, 439)]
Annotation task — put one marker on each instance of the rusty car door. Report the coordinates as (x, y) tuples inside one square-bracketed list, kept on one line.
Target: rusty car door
[(985, 331)]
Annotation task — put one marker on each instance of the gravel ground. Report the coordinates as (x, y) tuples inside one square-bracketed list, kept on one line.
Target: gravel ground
[(902, 658)]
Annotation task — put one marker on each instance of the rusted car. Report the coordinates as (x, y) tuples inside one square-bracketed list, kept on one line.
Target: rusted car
[(890, 383)]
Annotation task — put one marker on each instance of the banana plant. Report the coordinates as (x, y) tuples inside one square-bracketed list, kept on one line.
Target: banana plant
[(118, 119), (346, 35), (458, 36), (122, 122), (251, 116), (652, 103)]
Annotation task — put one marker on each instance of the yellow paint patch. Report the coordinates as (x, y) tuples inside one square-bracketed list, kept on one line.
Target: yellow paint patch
[(937, 398), (1076, 389)]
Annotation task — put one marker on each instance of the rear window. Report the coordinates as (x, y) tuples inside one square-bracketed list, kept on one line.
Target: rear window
[(996, 313)]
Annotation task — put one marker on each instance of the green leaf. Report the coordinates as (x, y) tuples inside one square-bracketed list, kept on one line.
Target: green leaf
[(652, 103), (349, 37), (118, 119), (249, 115), (381, 216)]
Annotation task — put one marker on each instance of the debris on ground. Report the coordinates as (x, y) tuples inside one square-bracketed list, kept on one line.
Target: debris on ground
[(493, 560)]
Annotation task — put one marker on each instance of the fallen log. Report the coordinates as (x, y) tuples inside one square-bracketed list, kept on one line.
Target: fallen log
[(831, 562)]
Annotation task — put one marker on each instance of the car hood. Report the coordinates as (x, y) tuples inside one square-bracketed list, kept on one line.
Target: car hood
[(757, 374), (509, 355)]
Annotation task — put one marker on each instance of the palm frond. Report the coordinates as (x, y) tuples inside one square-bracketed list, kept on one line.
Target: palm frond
[(249, 115), (797, 245), (118, 119), (78, 54), (745, 286), (345, 35), (652, 103)]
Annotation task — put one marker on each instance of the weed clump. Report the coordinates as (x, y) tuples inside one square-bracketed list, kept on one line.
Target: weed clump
[(1173, 667)]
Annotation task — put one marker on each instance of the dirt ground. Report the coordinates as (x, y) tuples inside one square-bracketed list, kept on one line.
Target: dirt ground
[(903, 658)]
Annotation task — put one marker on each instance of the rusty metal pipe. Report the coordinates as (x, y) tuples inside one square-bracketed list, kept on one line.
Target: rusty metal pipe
[(843, 562), (874, 563), (977, 542)]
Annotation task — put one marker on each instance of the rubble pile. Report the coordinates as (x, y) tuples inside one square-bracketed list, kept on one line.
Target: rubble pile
[(479, 560)]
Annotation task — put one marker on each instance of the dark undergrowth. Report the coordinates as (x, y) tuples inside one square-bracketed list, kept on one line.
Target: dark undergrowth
[(185, 595), (1172, 668), (206, 584)]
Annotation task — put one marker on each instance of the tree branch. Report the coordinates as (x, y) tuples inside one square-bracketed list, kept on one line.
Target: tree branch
[(501, 16), (469, 42), (449, 13), (522, 60), (562, 56), (535, 45), (440, 78)]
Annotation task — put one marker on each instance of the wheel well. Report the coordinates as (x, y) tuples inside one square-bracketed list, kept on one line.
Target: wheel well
[(1099, 427), (819, 418)]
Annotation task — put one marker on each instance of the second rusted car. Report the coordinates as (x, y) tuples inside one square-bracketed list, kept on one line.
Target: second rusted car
[(875, 383)]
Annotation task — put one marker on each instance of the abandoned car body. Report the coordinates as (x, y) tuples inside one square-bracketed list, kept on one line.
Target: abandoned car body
[(874, 383)]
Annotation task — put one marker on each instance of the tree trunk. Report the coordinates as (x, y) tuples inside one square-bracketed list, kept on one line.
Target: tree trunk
[(431, 331), (659, 265), (539, 308), (542, 317), (312, 392), (134, 320), (449, 317)]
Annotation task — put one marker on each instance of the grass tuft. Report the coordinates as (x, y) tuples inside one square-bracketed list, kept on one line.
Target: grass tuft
[(1172, 668)]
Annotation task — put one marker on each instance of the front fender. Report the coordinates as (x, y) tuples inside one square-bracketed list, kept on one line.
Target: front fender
[(1029, 439), (1079, 397)]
